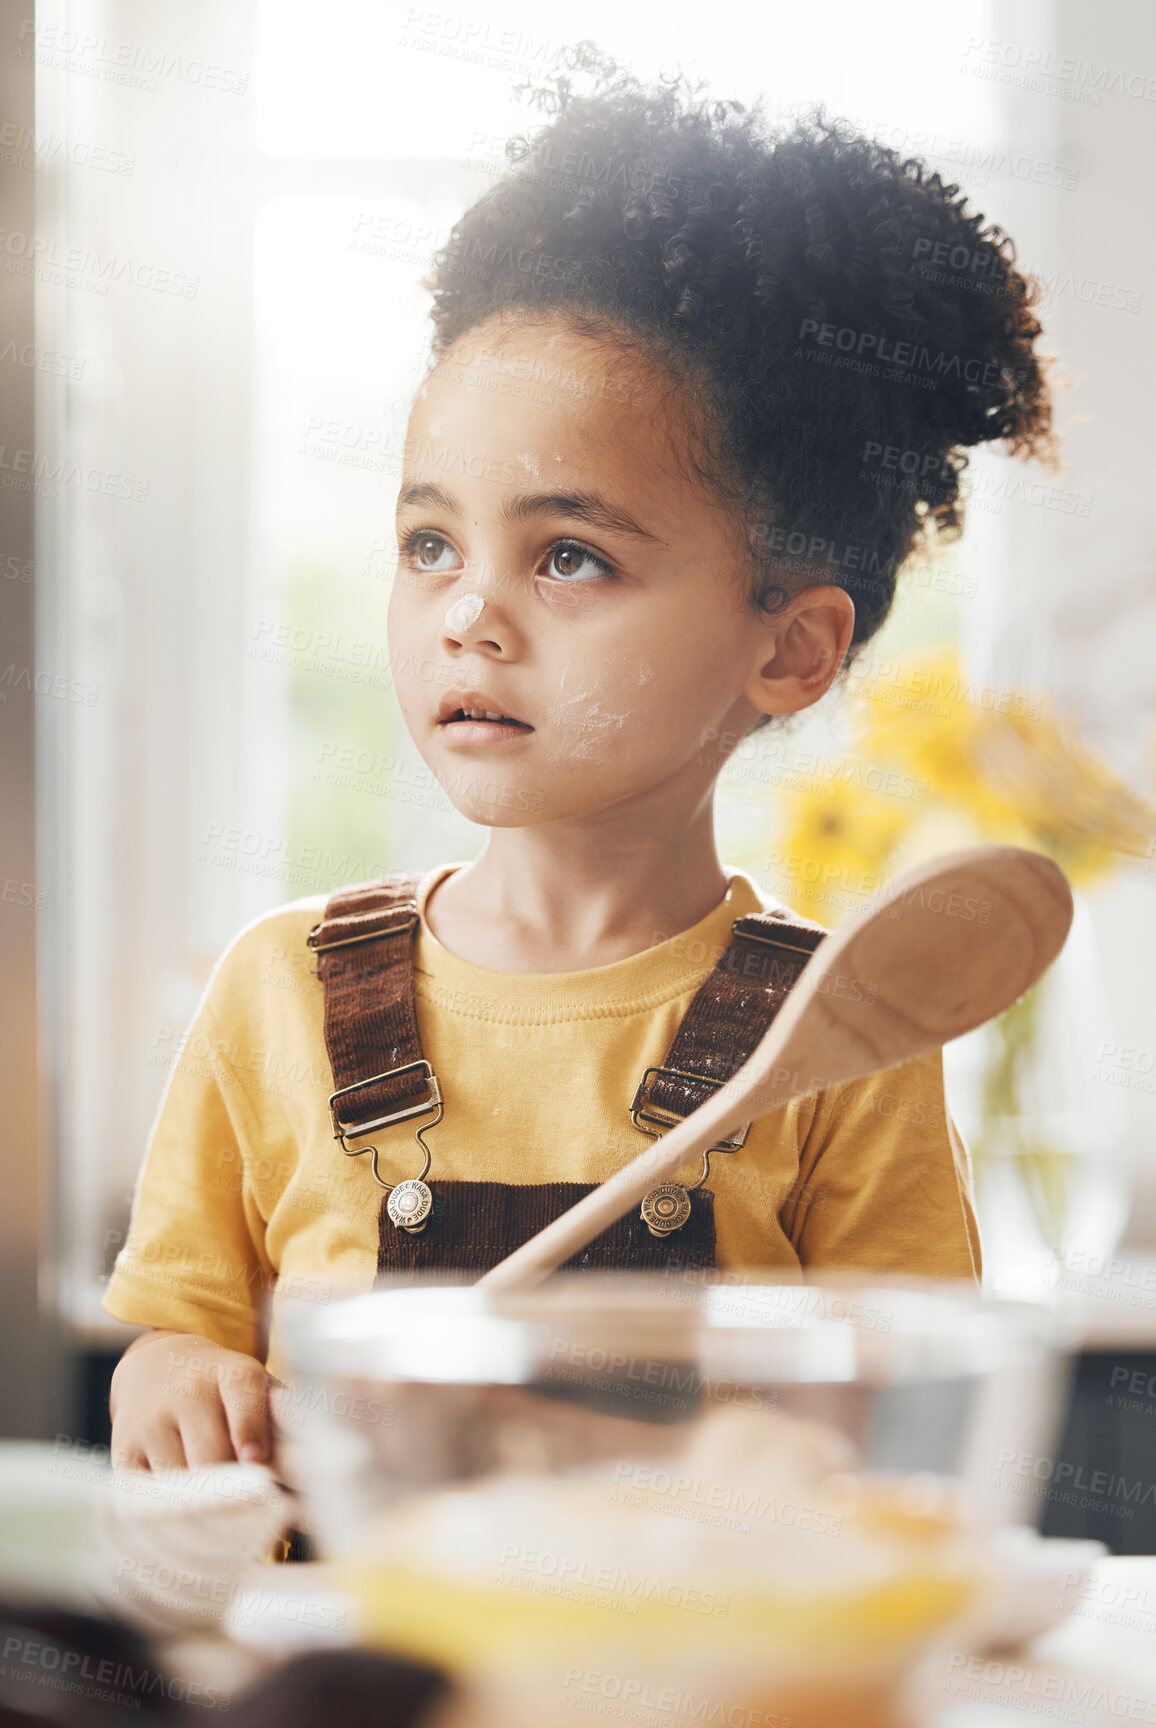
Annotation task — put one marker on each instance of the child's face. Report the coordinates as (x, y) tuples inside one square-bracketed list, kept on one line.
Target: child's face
[(543, 477)]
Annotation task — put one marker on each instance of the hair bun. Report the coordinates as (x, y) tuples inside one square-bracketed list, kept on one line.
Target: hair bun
[(837, 302)]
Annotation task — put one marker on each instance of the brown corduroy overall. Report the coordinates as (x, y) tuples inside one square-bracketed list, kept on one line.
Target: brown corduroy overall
[(364, 947)]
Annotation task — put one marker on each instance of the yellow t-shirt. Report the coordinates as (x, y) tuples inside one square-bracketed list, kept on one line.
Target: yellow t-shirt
[(243, 1186)]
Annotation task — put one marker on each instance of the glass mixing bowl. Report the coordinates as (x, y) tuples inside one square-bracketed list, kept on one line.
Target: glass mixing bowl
[(701, 1485)]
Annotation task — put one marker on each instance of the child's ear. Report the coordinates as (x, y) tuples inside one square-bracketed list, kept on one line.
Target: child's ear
[(808, 640)]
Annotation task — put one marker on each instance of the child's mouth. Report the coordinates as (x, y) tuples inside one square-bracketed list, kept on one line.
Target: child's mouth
[(472, 718), (471, 726), (468, 715)]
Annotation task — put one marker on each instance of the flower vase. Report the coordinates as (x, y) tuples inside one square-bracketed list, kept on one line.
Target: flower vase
[(1047, 1137)]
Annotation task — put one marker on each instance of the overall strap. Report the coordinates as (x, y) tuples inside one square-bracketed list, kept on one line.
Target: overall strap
[(727, 1017), (364, 948), (364, 945)]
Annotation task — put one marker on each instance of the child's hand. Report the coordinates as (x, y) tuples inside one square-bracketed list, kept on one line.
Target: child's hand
[(178, 1400)]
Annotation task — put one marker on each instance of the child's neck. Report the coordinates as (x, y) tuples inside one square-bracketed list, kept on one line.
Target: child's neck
[(535, 901)]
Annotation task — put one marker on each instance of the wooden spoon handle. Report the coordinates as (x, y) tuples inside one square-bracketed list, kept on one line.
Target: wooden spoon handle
[(915, 968), (790, 1071), (577, 1226)]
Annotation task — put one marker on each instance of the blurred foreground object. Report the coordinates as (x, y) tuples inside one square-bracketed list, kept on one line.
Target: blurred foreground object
[(159, 1549), (774, 1497)]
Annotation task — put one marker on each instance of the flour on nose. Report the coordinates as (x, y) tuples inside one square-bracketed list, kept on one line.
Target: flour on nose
[(463, 613)]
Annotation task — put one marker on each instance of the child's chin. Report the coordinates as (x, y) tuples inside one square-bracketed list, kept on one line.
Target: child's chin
[(522, 809)]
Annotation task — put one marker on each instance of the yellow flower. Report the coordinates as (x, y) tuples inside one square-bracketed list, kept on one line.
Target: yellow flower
[(1070, 802), (933, 734), (963, 764), (838, 848)]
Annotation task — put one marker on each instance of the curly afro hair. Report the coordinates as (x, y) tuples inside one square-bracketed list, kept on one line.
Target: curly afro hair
[(843, 329)]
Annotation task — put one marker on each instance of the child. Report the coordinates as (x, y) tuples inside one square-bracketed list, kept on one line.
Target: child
[(643, 513)]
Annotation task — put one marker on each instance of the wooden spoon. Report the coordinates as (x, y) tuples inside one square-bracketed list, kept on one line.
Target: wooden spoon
[(943, 948)]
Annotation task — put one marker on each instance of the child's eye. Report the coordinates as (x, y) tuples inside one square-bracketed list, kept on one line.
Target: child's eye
[(567, 557), (425, 548)]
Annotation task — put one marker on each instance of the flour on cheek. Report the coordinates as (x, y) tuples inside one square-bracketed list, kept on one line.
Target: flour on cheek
[(591, 730), (588, 728)]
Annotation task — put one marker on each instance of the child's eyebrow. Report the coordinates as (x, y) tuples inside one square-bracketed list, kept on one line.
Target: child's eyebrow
[(583, 506)]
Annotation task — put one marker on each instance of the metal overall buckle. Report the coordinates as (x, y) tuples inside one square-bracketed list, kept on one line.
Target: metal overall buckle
[(411, 1202), (667, 1207), (409, 922)]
